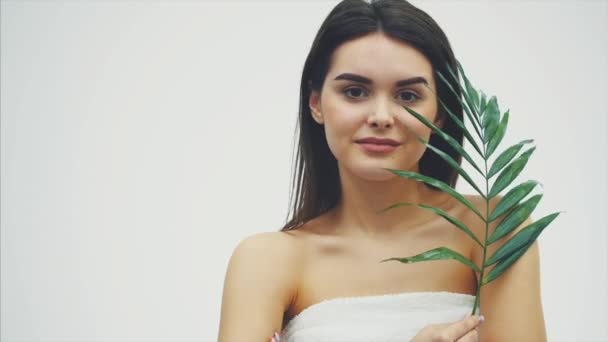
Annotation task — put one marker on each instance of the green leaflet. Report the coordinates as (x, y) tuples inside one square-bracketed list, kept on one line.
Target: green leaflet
[(443, 214), (453, 164), (439, 253), (472, 118), (445, 137), (471, 92), (490, 130), (483, 103), (515, 218), (503, 265), (439, 184), (491, 110), (461, 126), (510, 172), (496, 138), (512, 197), (463, 91), (472, 111), (490, 119), (506, 156), (524, 236)]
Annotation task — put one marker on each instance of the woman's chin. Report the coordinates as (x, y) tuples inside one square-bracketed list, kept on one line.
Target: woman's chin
[(375, 174)]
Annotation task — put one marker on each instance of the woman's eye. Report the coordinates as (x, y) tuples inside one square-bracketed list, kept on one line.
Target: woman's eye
[(410, 98), (354, 92)]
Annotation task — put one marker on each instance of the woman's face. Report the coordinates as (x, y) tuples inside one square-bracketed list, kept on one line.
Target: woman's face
[(369, 81)]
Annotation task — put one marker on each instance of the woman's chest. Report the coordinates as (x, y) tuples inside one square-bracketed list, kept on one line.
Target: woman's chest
[(340, 267)]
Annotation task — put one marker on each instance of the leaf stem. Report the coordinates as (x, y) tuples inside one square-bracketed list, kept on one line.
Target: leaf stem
[(485, 244)]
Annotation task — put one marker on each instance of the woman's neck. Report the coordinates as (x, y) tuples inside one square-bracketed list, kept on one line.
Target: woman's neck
[(357, 211)]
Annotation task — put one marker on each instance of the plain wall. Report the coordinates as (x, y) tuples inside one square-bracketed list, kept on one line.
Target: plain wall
[(142, 140)]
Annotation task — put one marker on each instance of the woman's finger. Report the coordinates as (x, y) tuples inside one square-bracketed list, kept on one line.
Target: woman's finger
[(461, 328), (275, 337), (471, 336)]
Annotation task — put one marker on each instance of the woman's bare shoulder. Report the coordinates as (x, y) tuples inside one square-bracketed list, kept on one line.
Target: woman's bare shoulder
[(282, 247), (279, 253), (260, 284)]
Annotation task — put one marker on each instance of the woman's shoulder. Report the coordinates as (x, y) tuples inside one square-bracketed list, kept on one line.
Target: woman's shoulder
[(260, 284), (261, 280), (278, 254), (280, 247)]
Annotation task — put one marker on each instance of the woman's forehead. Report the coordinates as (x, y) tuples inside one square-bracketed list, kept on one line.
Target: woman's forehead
[(377, 56)]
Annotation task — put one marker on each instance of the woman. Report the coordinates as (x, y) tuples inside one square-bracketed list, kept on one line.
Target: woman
[(319, 278)]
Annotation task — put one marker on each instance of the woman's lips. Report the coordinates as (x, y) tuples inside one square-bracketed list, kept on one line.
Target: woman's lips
[(378, 148)]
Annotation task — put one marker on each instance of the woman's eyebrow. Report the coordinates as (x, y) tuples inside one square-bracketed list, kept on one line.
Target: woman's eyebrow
[(365, 80)]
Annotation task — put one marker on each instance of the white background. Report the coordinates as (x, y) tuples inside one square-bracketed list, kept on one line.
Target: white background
[(142, 140)]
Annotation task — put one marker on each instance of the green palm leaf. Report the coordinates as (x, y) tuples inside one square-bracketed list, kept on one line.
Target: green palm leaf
[(490, 128), (439, 253)]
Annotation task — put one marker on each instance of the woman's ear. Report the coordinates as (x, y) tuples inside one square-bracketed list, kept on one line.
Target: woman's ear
[(439, 122), (314, 102)]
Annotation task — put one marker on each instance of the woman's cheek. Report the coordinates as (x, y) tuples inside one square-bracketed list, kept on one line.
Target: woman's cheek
[(337, 139), (415, 127), (341, 127)]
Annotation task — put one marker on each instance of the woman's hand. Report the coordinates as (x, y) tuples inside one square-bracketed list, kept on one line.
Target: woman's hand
[(464, 330)]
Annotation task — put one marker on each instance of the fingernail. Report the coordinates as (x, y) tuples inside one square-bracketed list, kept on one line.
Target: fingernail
[(481, 319), (277, 337)]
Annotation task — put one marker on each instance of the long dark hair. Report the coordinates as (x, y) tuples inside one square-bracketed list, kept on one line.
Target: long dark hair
[(315, 179)]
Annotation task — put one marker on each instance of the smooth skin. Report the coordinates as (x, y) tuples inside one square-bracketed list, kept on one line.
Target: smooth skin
[(273, 276)]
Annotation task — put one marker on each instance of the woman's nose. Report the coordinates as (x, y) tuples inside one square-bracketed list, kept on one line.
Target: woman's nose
[(381, 117)]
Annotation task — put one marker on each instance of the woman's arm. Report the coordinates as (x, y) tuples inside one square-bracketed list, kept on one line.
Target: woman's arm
[(260, 283), (511, 303)]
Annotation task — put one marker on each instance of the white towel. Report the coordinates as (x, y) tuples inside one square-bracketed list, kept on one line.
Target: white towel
[(382, 318)]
